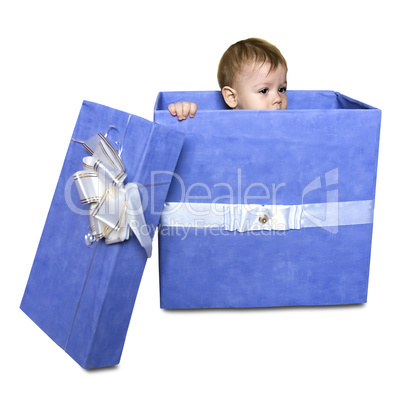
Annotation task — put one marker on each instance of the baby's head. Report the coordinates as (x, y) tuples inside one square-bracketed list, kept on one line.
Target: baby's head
[(252, 75)]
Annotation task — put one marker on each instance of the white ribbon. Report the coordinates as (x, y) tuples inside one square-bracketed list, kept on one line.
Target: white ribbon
[(114, 208), (246, 217)]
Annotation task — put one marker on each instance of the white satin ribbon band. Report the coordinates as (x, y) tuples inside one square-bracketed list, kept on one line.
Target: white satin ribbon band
[(246, 217), (114, 208)]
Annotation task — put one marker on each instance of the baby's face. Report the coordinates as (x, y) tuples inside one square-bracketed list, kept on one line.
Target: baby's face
[(256, 89)]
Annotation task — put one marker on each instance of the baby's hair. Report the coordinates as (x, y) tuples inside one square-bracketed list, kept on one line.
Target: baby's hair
[(247, 50)]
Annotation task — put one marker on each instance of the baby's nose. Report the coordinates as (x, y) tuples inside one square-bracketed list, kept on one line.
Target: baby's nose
[(276, 99)]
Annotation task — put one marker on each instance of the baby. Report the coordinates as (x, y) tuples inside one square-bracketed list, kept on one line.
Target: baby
[(251, 75)]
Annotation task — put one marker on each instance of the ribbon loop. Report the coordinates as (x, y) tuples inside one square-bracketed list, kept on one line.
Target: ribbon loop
[(114, 208), (254, 217)]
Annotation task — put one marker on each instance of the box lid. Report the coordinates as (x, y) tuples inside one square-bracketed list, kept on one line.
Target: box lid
[(81, 296)]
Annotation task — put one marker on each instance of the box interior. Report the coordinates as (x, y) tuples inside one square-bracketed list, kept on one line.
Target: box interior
[(297, 100)]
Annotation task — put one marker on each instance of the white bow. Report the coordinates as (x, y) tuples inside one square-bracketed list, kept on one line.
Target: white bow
[(114, 208)]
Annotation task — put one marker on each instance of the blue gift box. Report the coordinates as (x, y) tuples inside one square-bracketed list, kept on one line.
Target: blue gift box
[(83, 296), (269, 208)]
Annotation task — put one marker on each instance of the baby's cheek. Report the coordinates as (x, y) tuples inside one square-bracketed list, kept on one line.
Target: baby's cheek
[(285, 102)]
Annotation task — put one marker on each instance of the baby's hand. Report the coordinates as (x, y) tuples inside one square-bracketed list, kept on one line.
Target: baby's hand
[(183, 109)]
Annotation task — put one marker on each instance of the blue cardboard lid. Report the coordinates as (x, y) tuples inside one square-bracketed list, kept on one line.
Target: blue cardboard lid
[(81, 296)]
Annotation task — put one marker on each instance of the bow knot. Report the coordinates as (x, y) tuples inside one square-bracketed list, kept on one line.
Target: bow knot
[(114, 208)]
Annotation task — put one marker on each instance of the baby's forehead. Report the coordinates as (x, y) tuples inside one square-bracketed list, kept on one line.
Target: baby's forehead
[(256, 68), (257, 65)]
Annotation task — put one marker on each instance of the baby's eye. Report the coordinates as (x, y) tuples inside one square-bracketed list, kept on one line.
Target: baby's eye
[(263, 91), (282, 90)]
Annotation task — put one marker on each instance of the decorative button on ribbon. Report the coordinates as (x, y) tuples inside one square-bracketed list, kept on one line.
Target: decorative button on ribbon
[(114, 208)]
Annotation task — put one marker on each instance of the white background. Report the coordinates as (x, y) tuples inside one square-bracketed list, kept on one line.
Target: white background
[(122, 53)]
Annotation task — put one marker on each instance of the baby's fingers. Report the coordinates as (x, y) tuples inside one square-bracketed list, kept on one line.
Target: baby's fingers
[(189, 109), (179, 109), (193, 109), (172, 109), (183, 109)]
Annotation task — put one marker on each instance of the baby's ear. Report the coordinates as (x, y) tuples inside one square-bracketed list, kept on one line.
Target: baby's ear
[(230, 96)]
